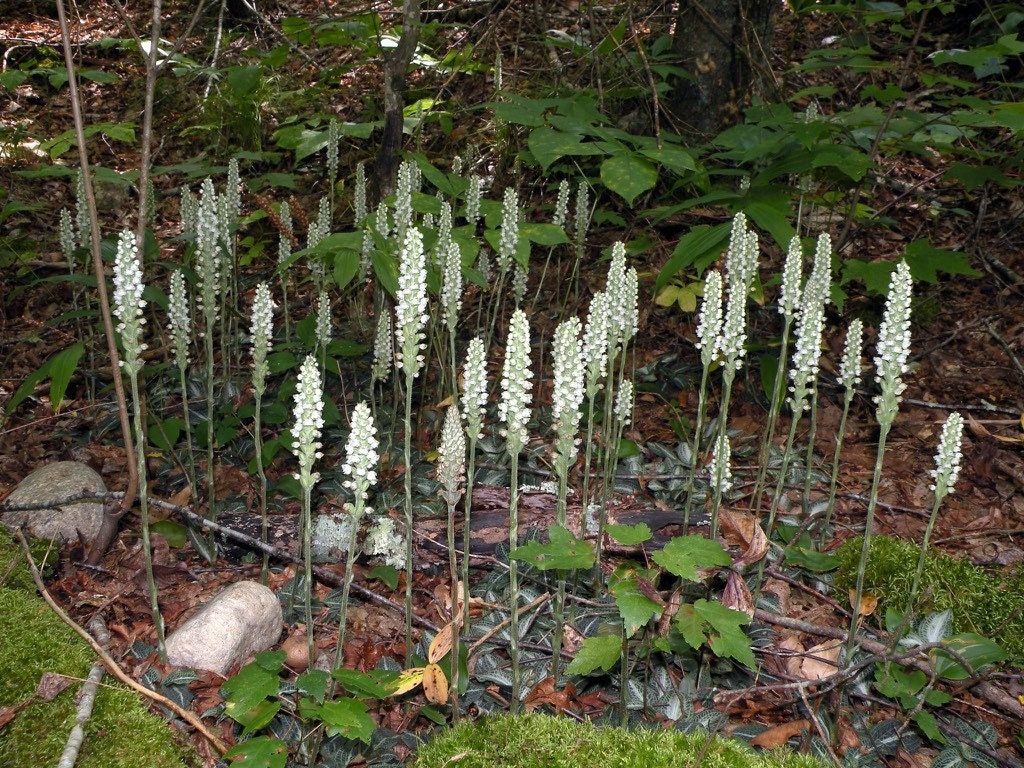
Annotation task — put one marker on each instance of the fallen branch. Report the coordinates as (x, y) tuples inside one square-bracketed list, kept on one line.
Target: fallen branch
[(109, 662), (986, 691), (88, 697)]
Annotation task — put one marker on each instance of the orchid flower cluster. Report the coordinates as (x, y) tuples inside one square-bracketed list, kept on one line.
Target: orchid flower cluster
[(508, 237), (208, 251), (474, 392), (891, 361), (741, 266), (451, 466), (411, 308), (261, 335), (569, 388), (309, 421), (179, 320), (361, 456), (514, 407), (128, 301), (383, 347)]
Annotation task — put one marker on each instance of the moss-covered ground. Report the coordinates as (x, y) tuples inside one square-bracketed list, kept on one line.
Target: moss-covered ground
[(988, 605), (122, 732), (540, 741)]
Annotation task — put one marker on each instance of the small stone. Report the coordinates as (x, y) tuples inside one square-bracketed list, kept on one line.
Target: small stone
[(241, 621), (330, 537), (54, 483)]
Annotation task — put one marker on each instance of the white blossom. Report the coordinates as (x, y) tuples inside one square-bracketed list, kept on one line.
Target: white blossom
[(474, 387), (473, 199), (128, 301), (623, 409), (508, 238), (789, 298), (569, 372), (850, 366), (721, 472), (518, 283), (284, 243), (208, 248), (741, 265), (360, 194), (383, 347), (451, 464), (581, 217), (948, 456), (178, 319), (188, 208), (411, 310), (333, 137), (807, 355), (323, 320), (261, 335), (561, 204), (361, 454), (309, 421), (483, 266), (403, 201), (893, 350), (595, 342), (514, 408), (821, 267), (709, 319), (383, 541), (457, 165), (616, 290), (67, 238), (382, 220), (82, 211), (451, 285)]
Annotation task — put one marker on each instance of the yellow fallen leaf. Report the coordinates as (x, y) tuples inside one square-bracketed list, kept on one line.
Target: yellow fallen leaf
[(435, 684), (409, 679), (440, 645)]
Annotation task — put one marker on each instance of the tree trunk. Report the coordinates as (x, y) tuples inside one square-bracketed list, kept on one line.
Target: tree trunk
[(724, 45)]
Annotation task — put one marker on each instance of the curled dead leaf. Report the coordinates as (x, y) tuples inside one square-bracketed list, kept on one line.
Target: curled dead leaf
[(737, 595), (821, 661), (868, 603), (742, 529), (435, 684), (441, 644), (407, 680), (780, 734)]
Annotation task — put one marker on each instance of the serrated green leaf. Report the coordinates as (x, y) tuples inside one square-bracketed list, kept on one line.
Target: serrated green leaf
[(929, 726), (370, 685), (349, 718), (248, 688), (599, 652), (683, 555), (628, 175), (727, 637), (313, 684), (261, 752), (563, 552), (629, 535), (635, 608), (548, 145)]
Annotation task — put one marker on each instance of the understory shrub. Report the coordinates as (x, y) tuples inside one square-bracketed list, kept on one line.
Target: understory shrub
[(980, 602), (541, 741)]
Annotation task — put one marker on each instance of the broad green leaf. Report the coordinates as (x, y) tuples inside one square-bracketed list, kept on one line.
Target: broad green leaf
[(543, 234), (248, 688), (635, 608), (810, 559), (677, 160), (628, 175), (976, 650), (176, 534), (719, 627), (701, 242), (926, 261), (62, 368), (365, 684), (929, 726), (349, 718), (683, 555), (261, 752), (599, 652), (563, 552), (772, 214), (27, 387), (313, 684), (630, 535), (548, 145), (385, 573), (258, 717)]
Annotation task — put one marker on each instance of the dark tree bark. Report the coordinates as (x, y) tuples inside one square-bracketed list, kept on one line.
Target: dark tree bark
[(724, 45), (394, 91)]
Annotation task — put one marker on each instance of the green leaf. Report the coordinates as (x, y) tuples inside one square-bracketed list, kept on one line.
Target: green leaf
[(371, 685), (976, 650), (252, 685), (563, 552), (683, 555), (628, 175), (385, 573), (701, 242), (548, 145), (349, 718), (678, 160), (27, 387), (62, 368), (600, 652), (635, 608), (543, 234), (926, 261), (433, 715), (261, 752), (929, 726), (258, 717), (630, 535), (772, 214), (313, 684), (176, 534), (810, 559), (718, 626)]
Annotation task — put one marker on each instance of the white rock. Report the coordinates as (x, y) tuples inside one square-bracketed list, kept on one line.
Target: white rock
[(52, 483), (241, 621)]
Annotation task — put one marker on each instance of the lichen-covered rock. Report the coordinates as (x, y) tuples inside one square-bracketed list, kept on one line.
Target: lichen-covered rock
[(54, 483), (242, 620)]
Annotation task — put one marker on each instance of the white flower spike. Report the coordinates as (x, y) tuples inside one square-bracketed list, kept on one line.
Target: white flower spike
[(569, 372), (451, 465), (128, 301), (262, 335), (474, 387), (893, 351), (789, 298), (309, 421), (509, 229), (383, 347), (411, 310), (948, 456), (709, 320), (179, 320), (361, 456), (850, 367), (514, 408)]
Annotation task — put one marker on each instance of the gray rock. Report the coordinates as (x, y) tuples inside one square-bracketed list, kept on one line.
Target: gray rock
[(52, 483), (241, 621), (330, 537)]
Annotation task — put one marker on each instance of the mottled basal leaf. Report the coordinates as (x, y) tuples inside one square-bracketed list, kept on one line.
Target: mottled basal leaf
[(683, 555), (600, 652), (628, 175)]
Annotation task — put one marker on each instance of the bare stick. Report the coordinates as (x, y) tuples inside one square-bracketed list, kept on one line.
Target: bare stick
[(105, 657), (88, 693), (109, 526)]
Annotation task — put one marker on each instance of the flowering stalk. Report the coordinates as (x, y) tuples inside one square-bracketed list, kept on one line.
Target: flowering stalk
[(473, 200), (451, 297), (474, 401), (411, 316), (306, 432), (569, 373), (360, 465), (514, 412), (709, 333), (180, 324), (208, 249), (558, 218), (128, 304), (383, 353), (945, 474), (595, 354), (891, 365), (323, 329), (581, 223), (333, 137), (849, 378), (261, 334), (284, 253), (741, 266), (821, 274), (451, 473), (789, 302)]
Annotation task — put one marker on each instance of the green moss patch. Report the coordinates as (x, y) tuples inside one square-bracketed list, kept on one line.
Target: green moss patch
[(122, 732), (981, 603), (540, 741)]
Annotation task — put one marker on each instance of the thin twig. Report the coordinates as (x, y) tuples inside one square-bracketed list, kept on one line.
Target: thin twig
[(88, 697), (108, 661)]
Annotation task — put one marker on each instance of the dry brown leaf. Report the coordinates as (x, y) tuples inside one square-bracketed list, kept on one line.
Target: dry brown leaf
[(435, 684), (50, 685), (545, 693), (737, 595), (821, 661), (440, 645), (780, 734), (742, 529), (794, 649), (868, 603)]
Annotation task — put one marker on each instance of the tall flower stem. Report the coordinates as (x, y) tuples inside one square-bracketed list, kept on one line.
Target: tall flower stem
[(264, 526), (307, 562), (186, 415), (588, 452), (467, 512), (513, 581), (780, 487), (774, 409), (559, 607), (147, 549), (840, 437), (809, 455), (408, 515), (698, 430), (453, 574), (346, 585), (869, 522), (723, 420)]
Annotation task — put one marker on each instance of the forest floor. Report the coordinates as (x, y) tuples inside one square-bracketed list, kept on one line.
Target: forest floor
[(967, 353)]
